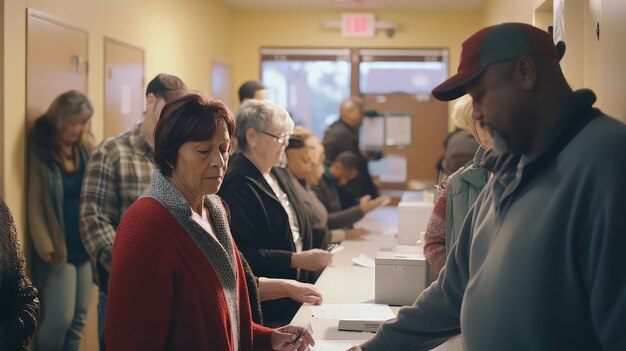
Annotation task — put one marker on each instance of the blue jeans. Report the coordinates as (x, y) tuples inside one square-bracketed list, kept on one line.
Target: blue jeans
[(65, 297), (102, 309)]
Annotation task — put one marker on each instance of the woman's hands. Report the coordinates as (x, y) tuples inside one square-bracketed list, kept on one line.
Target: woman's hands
[(303, 292), (355, 233), (273, 288), (291, 338), (46, 257), (366, 203), (314, 260)]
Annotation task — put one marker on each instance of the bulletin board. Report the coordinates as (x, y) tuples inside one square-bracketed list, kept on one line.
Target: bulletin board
[(392, 129)]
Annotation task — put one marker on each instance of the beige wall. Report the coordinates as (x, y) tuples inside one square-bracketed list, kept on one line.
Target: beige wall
[(417, 29), (613, 59), (179, 37), (497, 11)]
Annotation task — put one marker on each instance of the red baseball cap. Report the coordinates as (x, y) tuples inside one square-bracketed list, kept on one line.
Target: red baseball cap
[(496, 44)]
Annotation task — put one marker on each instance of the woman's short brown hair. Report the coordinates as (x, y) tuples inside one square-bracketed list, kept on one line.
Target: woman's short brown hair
[(298, 137), (189, 116)]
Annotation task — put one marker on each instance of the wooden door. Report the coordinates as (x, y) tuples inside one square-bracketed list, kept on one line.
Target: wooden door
[(428, 131), (56, 61), (123, 87)]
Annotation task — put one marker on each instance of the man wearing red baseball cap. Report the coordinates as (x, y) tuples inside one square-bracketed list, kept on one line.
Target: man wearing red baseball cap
[(539, 263)]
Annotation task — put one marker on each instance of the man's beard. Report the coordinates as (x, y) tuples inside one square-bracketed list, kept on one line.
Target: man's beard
[(499, 144)]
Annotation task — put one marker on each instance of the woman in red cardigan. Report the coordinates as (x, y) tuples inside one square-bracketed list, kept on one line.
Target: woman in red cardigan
[(176, 280)]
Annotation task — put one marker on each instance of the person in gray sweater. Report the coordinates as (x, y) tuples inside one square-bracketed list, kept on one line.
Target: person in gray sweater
[(539, 262)]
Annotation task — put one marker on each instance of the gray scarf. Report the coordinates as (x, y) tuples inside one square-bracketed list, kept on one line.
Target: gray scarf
[(220, 253)]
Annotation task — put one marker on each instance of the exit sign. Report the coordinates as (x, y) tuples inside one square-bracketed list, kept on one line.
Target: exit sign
[(357, 25)]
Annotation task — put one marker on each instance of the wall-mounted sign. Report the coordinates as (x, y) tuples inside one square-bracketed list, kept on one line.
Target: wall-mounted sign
[(398, 129), (358, 25), (557, 19)]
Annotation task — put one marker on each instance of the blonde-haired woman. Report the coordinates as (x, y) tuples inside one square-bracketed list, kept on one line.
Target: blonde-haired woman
[(462, 118), (461, 191), (58, 153)]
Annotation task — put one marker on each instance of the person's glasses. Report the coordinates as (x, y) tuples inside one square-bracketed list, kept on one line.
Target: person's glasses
[(281, 139)]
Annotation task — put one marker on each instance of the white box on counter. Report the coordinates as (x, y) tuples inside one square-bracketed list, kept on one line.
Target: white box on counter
[(412, 220), (399, 277)]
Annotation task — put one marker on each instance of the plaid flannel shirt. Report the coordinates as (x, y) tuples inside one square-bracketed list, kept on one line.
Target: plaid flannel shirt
[(118, 172)]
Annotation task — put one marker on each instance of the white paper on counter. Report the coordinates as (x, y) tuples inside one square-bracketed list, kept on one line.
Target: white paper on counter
[(335, 345), (364, 261), (356, 311)]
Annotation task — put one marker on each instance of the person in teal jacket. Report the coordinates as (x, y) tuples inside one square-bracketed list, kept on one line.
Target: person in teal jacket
[(461, 191), (464, 185)]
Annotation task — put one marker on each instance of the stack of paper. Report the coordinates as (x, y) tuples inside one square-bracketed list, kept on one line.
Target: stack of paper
[(355, 317)]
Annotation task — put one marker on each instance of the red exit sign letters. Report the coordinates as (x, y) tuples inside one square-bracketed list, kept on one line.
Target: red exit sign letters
[(357, 25)]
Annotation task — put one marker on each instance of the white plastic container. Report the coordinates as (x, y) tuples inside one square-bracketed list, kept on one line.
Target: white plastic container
[(412, 220), (399, 277)]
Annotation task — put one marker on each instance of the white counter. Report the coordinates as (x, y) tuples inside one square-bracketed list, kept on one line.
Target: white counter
[(343, 282)]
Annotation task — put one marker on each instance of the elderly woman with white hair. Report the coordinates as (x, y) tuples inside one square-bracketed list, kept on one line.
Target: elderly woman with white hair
[(269, 224)]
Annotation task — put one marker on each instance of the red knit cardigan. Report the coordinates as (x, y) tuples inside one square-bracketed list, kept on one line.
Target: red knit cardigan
[(164, 293)]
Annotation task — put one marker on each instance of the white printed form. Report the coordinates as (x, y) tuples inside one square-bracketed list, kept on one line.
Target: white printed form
[(335, 345), (357, 311)]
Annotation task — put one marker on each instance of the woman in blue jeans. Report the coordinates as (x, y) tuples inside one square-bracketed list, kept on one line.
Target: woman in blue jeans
[(58, 154)]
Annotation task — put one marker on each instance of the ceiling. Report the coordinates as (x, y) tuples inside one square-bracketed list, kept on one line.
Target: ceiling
[(466, 5)]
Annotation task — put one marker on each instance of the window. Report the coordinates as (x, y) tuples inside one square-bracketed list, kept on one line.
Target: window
[(404, 71), (395, 85), (309, 83)]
